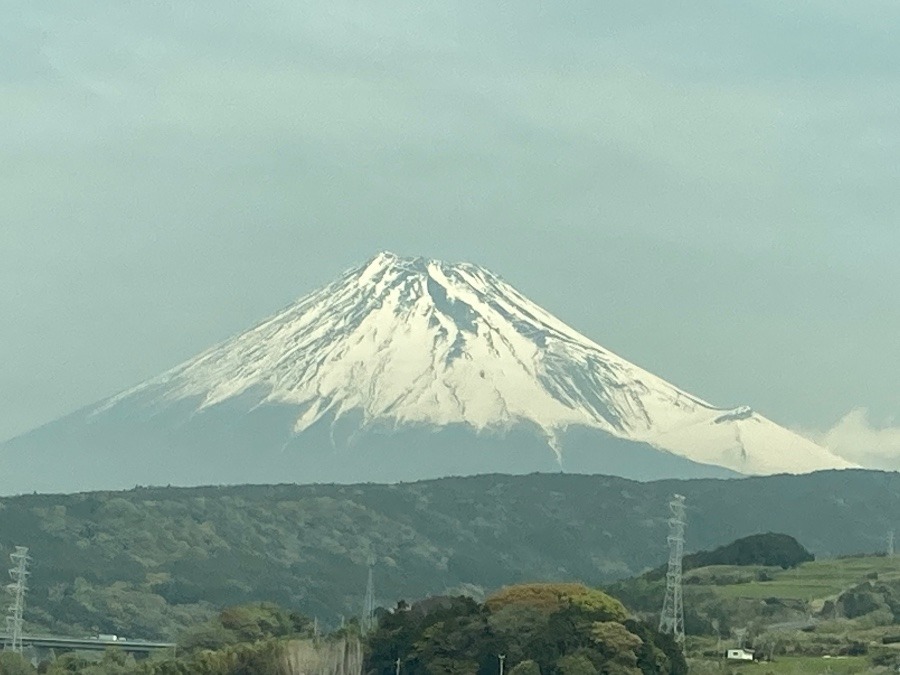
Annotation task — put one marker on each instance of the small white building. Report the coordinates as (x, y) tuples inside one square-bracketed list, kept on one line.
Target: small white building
[(739, 655)]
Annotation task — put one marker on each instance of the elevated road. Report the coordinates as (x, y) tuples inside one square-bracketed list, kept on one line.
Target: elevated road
[(91, 644)]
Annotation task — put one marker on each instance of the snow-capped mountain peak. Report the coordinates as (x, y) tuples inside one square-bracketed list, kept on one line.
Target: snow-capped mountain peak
[(411, 342)]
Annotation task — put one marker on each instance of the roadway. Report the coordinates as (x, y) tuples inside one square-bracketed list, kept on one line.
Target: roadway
[(90, 644)]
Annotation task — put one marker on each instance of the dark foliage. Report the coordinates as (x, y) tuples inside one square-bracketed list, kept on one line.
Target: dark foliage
[(571, 633), (770, 549)]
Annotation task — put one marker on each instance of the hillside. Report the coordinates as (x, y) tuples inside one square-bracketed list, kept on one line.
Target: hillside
[(148, 561)]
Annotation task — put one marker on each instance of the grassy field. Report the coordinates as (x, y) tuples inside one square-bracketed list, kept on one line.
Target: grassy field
[(816, 580), (786, 665), (790, 604), (808, 665)]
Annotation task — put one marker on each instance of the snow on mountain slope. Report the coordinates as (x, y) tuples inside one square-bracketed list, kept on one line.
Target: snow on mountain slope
[(412, 342)]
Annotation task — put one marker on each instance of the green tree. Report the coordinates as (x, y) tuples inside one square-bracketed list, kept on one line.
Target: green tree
[(617, 644), (556, 629), (553, 597), (114, 662), (522, 632), (68, 663), (15, 664), (575, 664), (446, 666), (210, 635), (408, 633), (257, 621), (527, 667)]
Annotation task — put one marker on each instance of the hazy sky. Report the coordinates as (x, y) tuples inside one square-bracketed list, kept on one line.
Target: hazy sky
[(710, 189)]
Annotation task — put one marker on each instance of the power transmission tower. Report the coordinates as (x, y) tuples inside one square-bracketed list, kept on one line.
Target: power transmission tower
[(19, 574), (367, 623), (671, 620)]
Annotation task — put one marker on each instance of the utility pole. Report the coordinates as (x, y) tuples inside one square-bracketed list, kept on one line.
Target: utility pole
[(368, 617), (671, 619), (502, 658), (19, 574)]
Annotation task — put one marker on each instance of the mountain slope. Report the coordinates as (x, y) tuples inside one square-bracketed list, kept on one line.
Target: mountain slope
[(409, 365), (143, 562)]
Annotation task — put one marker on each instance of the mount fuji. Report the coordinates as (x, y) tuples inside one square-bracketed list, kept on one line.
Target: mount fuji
[(401, 369)]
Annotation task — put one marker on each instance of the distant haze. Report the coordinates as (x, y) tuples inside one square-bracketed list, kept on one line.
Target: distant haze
[(709, 190)]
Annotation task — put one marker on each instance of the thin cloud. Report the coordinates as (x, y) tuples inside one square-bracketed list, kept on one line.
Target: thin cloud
[(857, 439)]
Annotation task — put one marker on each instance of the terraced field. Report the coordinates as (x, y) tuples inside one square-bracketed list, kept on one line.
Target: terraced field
[(811, 581)]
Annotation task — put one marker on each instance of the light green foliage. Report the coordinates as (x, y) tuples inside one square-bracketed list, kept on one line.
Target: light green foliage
[(256, 621), (597, 603), (245, 623), (14, 664), (209, 635), (813, 665), (575, 664), (615, 636), (69, 663), (552, 597), (263, 658), (617, 643), (527, 667), (114, 662)]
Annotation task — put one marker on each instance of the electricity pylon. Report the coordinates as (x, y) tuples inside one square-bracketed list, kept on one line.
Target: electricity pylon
[(671, 620), (19, 574)]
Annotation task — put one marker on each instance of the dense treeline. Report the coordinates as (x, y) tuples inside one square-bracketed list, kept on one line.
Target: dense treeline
[(149, 562), (769, 550), (535, 629), (553, 629)]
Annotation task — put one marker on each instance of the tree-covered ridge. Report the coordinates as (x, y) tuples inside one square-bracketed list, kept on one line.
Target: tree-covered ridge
[(769, 549), (148, 562), (554, 629)]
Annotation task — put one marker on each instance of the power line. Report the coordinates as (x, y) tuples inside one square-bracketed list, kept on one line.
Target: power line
[(671, 619)]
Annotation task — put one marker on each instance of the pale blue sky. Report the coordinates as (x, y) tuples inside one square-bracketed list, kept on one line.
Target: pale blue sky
[(708, 188)]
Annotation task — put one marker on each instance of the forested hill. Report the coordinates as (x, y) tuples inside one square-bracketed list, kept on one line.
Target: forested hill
[(148, 561)]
